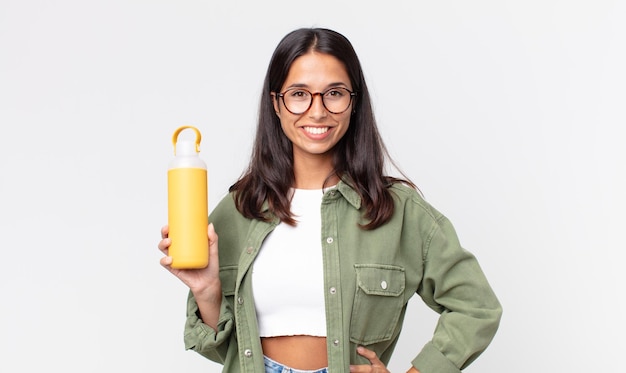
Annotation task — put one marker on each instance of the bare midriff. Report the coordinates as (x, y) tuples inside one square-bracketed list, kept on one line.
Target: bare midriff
[(302, 352)]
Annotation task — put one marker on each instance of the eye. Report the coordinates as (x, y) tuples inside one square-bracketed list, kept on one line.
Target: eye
[(299, 93), (335, 93)]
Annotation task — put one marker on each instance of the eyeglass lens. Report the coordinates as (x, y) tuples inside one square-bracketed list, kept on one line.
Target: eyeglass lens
[(335, 100)]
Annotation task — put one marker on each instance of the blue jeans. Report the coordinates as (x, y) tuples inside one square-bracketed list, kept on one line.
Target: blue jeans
[(272, 366)]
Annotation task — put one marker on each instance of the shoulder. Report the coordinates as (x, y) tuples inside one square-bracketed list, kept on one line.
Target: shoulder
[(226, 213), (408, 198), (225, 206), (229, 219), (415, 211)]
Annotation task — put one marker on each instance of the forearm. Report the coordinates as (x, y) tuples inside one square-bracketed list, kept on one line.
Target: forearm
[(209, 304)]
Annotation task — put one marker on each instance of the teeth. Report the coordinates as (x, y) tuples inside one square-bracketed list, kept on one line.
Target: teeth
[(316, 130)]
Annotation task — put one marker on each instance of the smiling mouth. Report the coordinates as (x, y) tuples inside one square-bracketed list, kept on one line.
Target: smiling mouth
[(316, 130)]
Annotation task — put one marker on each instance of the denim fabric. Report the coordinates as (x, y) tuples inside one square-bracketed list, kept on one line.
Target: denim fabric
[(370, 276), (272, 366)]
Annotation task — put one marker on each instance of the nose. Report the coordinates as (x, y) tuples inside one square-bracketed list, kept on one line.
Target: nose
[(317, 109)]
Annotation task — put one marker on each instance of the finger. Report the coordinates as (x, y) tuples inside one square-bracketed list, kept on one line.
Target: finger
[(361, 369), (164, 245), (368, 354), (165, 230), (213, 248), (166, 261), (212, 235), (377, 365)]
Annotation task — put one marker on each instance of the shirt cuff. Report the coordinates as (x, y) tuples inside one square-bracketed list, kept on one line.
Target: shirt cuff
[(431, 360), (200, 336)]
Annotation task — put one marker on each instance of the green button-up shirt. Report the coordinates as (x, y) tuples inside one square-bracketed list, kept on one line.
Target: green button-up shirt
[(369, 277)]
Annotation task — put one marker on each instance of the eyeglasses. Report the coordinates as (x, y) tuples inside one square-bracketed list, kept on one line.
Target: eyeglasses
[(299, 100)]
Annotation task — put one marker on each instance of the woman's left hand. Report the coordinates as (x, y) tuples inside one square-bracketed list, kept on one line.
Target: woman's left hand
[(376, 366)]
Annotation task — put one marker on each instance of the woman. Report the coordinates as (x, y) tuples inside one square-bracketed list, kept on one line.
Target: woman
[(319, 251)]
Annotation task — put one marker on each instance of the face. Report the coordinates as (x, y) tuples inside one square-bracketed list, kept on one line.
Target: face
[(315, 132)]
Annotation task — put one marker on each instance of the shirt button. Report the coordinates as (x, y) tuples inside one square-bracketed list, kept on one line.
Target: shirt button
[(248, 353), (336, 342), (249, 250), (240, 300), (383, 285), (332, 193), (329, 240), (333, 290)]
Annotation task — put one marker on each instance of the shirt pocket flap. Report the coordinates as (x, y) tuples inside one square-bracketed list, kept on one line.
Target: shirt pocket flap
[(380, 279), (228, 277)]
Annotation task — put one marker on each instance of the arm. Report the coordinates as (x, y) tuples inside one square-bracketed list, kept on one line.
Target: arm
[(209, 317), (455, 286), (204, 283), (208, 294)]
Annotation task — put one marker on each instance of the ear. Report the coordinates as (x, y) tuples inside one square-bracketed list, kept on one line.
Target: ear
[(275, 103)]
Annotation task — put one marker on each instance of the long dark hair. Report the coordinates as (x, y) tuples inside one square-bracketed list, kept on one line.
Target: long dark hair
[(359, 157)]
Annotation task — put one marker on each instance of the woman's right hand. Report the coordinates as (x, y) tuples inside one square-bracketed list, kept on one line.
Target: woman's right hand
[(204, 282)]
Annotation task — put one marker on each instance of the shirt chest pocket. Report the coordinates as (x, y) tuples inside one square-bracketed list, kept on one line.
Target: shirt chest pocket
[(228, 278), (378, 302)]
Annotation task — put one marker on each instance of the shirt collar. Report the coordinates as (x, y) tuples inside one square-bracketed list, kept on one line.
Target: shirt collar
[(346, 191), (349, 194)]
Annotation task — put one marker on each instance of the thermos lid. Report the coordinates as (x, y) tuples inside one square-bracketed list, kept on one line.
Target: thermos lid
[(186, 147)]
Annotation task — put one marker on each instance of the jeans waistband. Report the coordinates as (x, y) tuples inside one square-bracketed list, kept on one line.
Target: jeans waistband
[(272, 366)]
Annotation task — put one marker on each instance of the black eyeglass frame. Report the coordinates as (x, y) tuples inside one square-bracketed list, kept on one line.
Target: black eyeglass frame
[(321, 94)]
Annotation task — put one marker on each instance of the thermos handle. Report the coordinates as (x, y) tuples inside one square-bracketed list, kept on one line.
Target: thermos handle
[(180, 129)]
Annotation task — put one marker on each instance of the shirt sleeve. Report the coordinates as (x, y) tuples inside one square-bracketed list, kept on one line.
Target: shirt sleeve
[(455, 286), (199, 337)]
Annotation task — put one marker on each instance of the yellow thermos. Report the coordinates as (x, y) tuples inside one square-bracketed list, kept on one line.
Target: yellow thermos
[(187, 204)]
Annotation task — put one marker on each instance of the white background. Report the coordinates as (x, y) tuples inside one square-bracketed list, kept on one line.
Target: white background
[(509, 115)]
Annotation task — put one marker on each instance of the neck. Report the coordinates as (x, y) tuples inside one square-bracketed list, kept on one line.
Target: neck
[(312, 172)]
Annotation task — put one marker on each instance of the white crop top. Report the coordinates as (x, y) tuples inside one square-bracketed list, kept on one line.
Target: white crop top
[(288, 277)]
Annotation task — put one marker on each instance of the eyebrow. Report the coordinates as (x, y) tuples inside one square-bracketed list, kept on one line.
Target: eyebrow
[(331, 85)]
